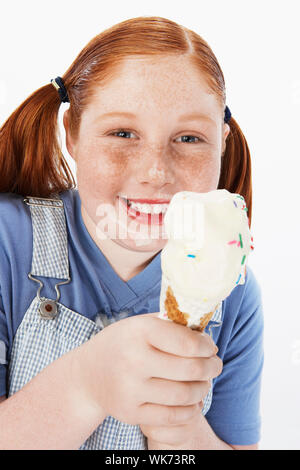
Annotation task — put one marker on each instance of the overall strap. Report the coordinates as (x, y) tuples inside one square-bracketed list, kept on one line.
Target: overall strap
[(50, 240)]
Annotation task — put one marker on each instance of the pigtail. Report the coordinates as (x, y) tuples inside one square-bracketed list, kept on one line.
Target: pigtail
[(236, 166), (31, 161)]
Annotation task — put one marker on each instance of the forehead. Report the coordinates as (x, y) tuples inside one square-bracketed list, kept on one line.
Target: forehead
[(168, 82)]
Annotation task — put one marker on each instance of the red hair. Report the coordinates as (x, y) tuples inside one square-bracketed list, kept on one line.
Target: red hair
[(31, 161)]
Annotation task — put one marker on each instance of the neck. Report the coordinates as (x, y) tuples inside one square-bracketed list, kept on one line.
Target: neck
[(126, 263)]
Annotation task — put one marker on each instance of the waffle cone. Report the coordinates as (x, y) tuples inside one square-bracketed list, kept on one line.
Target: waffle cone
[(176, 315)]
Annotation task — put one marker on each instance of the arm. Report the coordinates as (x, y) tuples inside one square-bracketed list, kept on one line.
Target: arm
[(49, 412), (162, 361)]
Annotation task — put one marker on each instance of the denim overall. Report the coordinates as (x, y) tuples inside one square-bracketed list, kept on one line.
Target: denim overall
[(50, 329)]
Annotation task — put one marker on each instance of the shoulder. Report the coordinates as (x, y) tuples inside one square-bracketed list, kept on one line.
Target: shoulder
[(15, 238), (251, 299), (252, 286), (243, 309), (15, 231), (13, 209), (14, 215), (247, 295), (10, 202)]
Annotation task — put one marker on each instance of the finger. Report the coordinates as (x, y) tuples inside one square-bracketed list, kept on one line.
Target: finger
[(167, 366), (171, 435), (173, 393), (178, 339), (159, 415)]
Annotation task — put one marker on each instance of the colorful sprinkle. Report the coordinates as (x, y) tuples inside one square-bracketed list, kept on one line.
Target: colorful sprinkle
[(241, 242), (232, 242), (235, 203), (243, 260), (191, 256), (238, 279)]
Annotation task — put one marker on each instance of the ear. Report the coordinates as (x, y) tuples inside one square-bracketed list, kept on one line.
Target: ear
[(226, 130), (69, 141)]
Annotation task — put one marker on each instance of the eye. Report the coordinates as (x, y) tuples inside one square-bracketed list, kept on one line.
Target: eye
[(188, 137), (121, 131)]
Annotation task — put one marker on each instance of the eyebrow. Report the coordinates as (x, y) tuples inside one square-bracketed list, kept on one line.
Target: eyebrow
[(116, 113), (197, 116), (184, 117)]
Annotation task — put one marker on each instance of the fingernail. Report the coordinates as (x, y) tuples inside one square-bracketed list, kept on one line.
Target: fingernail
[(216, 349)]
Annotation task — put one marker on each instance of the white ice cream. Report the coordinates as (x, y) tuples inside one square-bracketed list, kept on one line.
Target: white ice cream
[(206, 253)]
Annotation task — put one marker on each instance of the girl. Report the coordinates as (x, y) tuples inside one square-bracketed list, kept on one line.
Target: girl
[(84, 360)]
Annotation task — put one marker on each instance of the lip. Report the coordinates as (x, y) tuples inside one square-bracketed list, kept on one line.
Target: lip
[(147, 201), (147, 219)]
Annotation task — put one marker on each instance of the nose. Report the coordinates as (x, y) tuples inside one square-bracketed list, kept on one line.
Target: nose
[(155, 167)]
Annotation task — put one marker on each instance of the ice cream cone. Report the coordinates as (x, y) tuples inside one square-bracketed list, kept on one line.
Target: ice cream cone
[(174, 314), (189, 315)]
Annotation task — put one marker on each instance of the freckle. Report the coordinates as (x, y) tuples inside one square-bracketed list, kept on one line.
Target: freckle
[(112, 164)]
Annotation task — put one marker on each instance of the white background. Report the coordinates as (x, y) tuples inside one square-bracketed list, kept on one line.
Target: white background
[(257, 46)]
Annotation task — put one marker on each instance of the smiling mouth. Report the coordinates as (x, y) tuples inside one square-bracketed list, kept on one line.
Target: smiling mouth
[(147, 206), (145, 213)]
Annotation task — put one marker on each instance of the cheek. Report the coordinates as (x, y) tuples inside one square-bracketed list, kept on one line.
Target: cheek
[(102, 171), (199, 172)]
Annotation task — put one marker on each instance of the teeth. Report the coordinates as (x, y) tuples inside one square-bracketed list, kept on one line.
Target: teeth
[(149, 208)]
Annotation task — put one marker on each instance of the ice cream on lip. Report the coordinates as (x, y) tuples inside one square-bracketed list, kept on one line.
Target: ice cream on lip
[(204, 258)]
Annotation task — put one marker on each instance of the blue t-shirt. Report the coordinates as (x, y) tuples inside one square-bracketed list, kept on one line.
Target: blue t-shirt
[(96, 288)]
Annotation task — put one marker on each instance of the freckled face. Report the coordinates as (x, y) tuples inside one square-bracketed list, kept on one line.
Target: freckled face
[(153, 153)]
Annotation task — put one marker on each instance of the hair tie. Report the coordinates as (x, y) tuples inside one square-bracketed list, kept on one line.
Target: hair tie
[(60, 87), (227, 114)]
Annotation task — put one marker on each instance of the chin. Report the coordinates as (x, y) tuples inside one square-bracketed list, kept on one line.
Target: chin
[(145, 245)]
